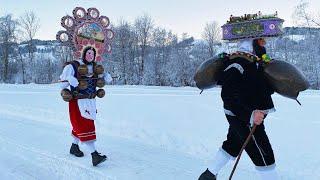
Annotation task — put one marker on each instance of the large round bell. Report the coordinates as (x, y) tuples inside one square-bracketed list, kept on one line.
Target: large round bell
[(83, 84), (66, 95), (98, 69), (209, 72), (101, 83), (83, 70), (285, 78), (101, 93)]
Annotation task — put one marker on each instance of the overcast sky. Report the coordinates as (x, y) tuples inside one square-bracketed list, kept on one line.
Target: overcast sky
[(180, 16)]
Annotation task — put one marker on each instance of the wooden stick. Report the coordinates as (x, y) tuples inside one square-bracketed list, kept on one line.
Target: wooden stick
[(62, 81), (242, 148)]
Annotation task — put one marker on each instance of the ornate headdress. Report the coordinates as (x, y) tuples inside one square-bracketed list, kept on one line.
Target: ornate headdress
[(86, 28), (252, 26)]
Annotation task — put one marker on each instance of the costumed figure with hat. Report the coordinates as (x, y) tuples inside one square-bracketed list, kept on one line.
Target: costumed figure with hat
[(248, 78), (82, 80)]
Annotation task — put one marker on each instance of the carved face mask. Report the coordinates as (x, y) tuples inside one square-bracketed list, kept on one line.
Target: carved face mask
[(261, 42), (258, 47), (89, 55)]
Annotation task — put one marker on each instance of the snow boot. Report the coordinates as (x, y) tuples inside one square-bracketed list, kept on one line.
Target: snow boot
[(97, 158), (207, 175), (74, 150)]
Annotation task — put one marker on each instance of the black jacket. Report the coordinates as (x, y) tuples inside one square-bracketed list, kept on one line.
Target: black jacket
[(245, 89)]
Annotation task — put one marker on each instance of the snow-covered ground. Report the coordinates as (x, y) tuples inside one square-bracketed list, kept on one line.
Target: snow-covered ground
[(157, 133)]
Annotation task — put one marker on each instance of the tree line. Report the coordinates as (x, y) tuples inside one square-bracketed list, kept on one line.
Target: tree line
[(147, 54)]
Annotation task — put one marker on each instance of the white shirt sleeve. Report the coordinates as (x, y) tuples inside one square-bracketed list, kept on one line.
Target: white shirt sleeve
[(68, 75), (107, 77)]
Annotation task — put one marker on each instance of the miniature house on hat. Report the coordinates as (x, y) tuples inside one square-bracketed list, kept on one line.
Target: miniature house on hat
[(252, 26)]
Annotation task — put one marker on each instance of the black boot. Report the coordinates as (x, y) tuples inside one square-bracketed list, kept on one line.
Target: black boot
[(76, 151), (207, 175), (97, 158)]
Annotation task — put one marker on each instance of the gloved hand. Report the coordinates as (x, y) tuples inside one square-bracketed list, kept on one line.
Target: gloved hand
[(258, 117), (266, 58), (222, 55)]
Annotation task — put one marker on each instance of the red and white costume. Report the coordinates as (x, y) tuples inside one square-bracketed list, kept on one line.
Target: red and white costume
[(82, 112)]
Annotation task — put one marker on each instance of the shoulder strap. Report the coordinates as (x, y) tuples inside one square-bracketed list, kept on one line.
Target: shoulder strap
[(75, 65), (66, 64), (248, 56)]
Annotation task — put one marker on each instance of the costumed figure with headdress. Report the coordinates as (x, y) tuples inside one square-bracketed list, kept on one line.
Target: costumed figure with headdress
[(82, 80), (248, 78)]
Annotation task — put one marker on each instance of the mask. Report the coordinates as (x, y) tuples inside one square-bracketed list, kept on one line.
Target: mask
[(89, 55)]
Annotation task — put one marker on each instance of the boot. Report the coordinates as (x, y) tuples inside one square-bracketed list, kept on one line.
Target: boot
[(207, 175), (74, 150), (97, 158)]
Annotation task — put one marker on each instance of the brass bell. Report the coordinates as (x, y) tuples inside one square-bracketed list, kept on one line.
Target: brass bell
[(98, 69), (83, 84), (101, 93), (101, 82), (66, 95), (83, 70), (75, 93)]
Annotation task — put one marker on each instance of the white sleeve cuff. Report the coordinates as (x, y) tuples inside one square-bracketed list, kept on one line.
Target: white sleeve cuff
[(252, 118), (107, 77), (64, 85), (73, 81)]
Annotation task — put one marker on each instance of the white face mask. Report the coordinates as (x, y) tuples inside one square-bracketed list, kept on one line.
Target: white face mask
[(89, 56)]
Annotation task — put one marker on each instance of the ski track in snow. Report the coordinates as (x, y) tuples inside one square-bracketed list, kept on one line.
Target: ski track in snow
[(34, 153), (158, 133)]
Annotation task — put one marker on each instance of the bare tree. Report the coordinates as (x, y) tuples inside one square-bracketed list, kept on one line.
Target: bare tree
[(21, 60), (7, 38), (124, 43), (211, 35), (302, 17), (143, 26), (63, 53), (30, 25), (159, 40)]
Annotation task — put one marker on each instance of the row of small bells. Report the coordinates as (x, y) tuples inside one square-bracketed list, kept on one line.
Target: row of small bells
[(67, 95)]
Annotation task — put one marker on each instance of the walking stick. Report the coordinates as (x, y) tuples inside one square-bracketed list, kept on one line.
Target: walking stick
[(242, 148)]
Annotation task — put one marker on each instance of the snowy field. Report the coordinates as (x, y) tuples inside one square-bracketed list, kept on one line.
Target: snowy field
[(157, 133)]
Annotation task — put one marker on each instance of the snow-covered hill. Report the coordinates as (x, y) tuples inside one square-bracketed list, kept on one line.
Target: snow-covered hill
[(157, 133)]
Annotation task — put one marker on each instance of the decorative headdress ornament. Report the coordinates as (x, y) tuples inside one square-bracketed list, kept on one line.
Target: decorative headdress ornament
[(252, 26), (86, 29)]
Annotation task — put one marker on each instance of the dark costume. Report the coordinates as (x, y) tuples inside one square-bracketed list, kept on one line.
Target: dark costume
[(244, 89), (248, 78)]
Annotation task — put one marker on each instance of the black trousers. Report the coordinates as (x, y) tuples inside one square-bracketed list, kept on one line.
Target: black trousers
[(259, 148)]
